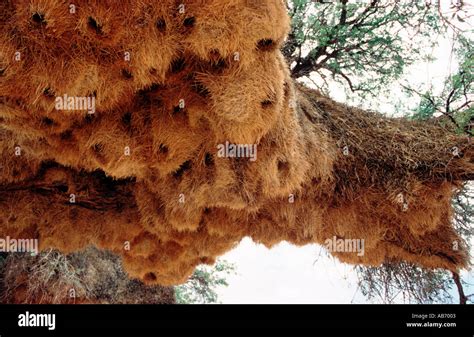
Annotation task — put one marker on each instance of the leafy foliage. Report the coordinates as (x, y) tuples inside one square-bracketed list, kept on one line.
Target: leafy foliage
[(457, 97), (202, 285), (363, 46)]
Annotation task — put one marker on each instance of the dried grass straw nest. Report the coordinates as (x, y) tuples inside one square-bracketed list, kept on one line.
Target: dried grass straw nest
[(170, 84)]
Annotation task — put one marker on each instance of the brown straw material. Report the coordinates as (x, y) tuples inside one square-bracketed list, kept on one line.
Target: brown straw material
[(174, 81)]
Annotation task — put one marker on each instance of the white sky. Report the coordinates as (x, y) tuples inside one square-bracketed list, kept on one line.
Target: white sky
[(290, 274), (287, 274)]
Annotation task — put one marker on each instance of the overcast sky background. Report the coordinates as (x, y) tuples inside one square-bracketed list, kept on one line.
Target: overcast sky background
[(290, 274)]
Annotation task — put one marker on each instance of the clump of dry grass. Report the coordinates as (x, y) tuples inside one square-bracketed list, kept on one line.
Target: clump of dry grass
[(90, 276)]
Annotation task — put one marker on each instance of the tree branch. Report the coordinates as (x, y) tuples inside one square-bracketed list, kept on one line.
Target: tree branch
[(457, 281), (343, 16)]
